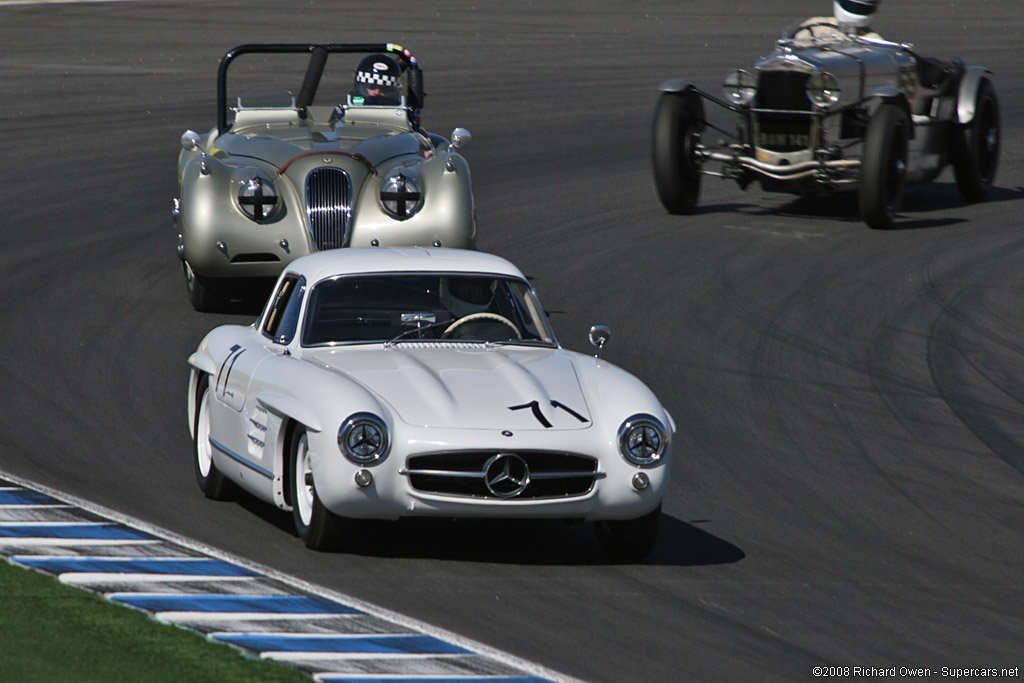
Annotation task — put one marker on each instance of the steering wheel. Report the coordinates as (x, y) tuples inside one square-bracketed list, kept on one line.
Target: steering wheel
[(833, 28), (481, 315)]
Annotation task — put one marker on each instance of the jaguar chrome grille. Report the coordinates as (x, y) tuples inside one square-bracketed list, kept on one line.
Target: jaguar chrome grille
[(785, 131), (473, 474), (329, 207)]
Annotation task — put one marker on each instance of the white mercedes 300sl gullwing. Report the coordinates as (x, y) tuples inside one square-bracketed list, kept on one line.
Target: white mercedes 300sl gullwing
[(381, 383)]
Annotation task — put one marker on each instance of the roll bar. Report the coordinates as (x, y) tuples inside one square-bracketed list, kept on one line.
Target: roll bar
[(317, 59)]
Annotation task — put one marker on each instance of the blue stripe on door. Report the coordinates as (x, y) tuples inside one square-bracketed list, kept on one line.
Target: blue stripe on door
[(266, 604), (199, 566), (105, 532), (378, 644)]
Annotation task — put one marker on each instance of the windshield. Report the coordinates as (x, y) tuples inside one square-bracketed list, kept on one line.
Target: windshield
[(415, 307)]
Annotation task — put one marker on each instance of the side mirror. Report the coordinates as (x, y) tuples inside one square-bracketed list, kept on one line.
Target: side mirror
[(190, 143), (599, 336), (460, 138), (190, 140)]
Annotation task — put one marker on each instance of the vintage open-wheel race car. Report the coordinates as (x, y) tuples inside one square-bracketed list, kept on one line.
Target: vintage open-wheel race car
[(832, 110)]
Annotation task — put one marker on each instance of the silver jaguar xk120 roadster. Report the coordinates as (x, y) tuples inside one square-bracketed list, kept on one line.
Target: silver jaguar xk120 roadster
[(382, 383), (832, 109), (321, 163)]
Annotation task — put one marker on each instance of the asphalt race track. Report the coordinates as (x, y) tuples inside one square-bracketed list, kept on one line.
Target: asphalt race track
[(848, 489)]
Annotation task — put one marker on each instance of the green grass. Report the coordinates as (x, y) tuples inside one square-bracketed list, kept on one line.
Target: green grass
[(52, 632)]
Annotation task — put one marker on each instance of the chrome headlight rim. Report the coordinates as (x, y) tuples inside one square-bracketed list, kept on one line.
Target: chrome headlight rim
[(643, 440), (823, 90), (740, 87), (401, 196), (258, 199), (363, 439)]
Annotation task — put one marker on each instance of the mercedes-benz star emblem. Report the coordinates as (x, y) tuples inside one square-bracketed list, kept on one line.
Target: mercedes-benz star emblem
[(506, 475)]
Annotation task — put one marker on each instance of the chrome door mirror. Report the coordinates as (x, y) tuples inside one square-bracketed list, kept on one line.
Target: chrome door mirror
[(599, 336), (190, 140), (461, 137)]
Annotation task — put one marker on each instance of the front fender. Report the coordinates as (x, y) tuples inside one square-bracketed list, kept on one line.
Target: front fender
[(676, 85), (290, 408), (967, 95), (890, 94), (448, 215), (613, 395), (203, 362), (214, 230)]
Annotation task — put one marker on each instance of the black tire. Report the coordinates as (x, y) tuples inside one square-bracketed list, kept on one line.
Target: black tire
[(210, 480), (317, 526), (678, 121), (883, 171), (207, 295), (629, 540), (974, 147)]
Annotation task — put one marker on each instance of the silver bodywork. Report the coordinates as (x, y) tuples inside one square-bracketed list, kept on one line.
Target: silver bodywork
[(325, 166)]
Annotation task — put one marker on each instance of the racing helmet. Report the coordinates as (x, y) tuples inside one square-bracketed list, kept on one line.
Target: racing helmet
[(466, 294), (377, 81), (856, 13)]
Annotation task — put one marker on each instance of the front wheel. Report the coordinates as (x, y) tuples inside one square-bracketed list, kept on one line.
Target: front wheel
[(318, 527), (678, 120), (974, 147), (884, 166), (210, 480), (629, 540)]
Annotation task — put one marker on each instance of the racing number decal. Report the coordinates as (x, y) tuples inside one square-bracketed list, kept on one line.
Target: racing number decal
[(535, 407), (225, 370)]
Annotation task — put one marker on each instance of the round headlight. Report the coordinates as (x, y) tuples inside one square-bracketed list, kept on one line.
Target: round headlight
[(363, 439), (400, 196), (739, 87), (258, 198), (643, 440), (823, 89)]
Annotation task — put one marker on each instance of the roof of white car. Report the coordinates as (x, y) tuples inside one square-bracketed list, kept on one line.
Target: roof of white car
[(356, 260)]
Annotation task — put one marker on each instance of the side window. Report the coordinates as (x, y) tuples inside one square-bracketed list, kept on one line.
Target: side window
[(283, 317)]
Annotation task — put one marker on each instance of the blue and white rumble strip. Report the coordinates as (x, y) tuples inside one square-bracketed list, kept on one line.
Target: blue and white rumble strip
[(335, 638)]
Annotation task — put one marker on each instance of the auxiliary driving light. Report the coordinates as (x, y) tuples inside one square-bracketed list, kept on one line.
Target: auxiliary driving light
[(363, 478), (823, 89), (740, 87)]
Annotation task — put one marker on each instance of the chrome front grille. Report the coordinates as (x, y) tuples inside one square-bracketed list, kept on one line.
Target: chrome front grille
[(465, 474), (329, 207), (781, 96), (783, 90)]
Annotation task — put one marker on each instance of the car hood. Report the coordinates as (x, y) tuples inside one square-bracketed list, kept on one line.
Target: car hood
[(279, 146), (468, 386)]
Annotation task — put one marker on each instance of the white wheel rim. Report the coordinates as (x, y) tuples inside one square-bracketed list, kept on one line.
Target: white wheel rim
[(303, 491), (204, 452)]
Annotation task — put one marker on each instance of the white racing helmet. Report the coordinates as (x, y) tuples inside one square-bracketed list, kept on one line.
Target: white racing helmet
[(856, 13), (466, 294)]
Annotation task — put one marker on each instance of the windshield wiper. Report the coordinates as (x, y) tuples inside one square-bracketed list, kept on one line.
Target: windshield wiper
[(520, 342), (412, 330)]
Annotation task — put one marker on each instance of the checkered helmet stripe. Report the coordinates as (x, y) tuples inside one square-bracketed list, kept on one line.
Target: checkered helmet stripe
[(376, 79)]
